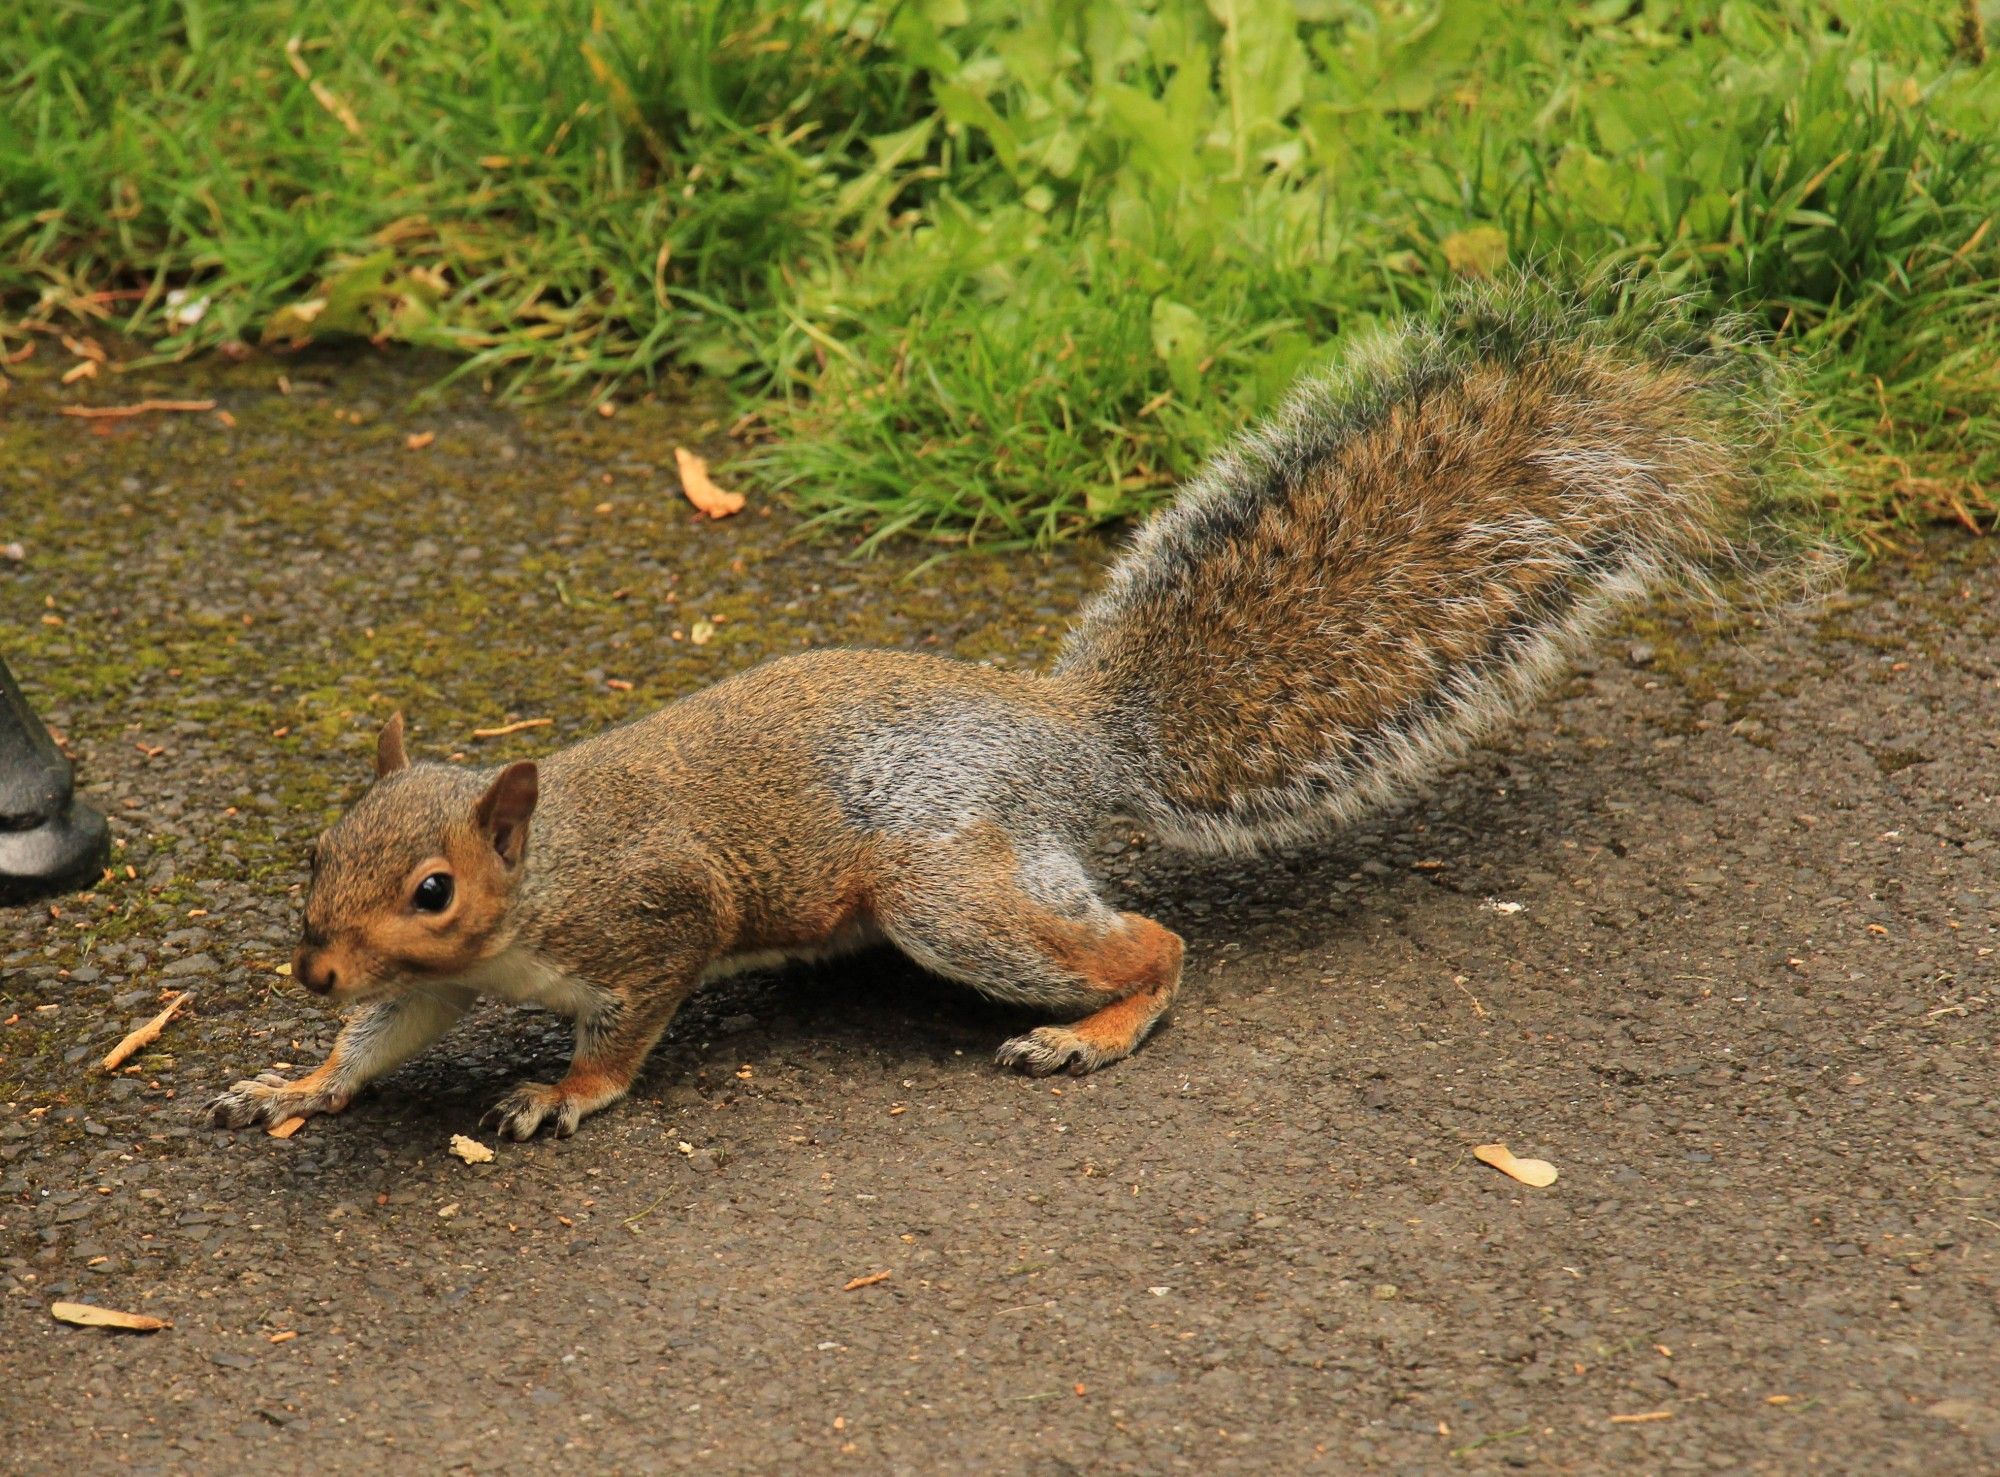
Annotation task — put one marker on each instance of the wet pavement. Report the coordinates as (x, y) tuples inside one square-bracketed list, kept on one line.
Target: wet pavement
[(1713, 932)]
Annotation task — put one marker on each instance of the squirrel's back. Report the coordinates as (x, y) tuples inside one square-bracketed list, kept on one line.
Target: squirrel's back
[(1356, 592)]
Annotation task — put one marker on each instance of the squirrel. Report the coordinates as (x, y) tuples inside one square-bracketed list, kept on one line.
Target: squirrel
[(1344, 601)]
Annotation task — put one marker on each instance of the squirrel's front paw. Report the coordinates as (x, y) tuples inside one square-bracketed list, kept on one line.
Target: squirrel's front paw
[(524, 1111), (269, 1099)]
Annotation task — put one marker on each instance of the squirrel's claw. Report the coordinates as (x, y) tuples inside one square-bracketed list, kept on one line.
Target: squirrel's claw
[(529, 1108), (265, 1100), (1047, 1050)]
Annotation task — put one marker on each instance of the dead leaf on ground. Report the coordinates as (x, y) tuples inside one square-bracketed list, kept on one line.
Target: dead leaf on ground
[(470, 1150), (1536, 1172), (146, 1035), (701, 489), (89, 1315)]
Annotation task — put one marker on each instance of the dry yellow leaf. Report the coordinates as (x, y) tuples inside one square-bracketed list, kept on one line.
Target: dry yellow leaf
[(470, 1150), (1537, 1172), (1477, 251), (146, 1035), (89, 1315), (701, 489)]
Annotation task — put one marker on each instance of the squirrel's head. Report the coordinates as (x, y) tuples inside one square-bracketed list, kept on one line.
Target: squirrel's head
[(414, 881)]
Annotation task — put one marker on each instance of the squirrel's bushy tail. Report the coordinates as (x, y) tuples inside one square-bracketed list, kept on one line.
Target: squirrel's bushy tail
[(1354, 593)]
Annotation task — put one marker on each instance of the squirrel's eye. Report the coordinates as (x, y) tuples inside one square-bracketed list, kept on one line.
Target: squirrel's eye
[(433, 894)]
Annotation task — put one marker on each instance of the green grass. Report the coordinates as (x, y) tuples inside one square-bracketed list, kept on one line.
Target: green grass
[(1004, 269)]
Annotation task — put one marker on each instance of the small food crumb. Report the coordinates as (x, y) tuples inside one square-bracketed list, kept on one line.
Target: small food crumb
[(470, 1150), (1538, 1173)]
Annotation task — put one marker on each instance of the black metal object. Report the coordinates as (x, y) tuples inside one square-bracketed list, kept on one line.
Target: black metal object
[(48, 838)]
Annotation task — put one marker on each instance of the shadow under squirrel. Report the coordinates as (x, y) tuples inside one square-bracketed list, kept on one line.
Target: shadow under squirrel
[(1339, 605)]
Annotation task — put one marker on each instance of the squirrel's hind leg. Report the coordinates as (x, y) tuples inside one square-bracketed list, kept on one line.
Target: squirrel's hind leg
[(976, 912), (1139, 966)]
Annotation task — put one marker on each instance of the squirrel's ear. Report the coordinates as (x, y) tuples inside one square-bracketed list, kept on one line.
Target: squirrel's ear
[(503, 811), (389, 755)]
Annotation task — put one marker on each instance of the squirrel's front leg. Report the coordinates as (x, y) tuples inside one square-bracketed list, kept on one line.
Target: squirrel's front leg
[(612, 1043), (376, 1040)]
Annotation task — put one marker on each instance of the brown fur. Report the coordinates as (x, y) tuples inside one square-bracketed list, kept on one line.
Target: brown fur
[(1339, 605), (360, 928)]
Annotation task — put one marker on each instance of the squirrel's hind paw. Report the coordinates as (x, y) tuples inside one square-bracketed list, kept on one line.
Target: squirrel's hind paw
[(529, 1108), (1047, 1050)]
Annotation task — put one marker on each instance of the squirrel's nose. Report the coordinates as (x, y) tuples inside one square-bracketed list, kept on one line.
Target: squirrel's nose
[(314, 975)]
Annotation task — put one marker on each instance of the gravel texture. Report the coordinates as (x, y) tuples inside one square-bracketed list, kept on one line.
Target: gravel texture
[(1713, 932)]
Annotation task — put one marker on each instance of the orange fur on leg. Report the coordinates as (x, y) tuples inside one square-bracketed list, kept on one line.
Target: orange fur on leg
[(1141, 965)]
